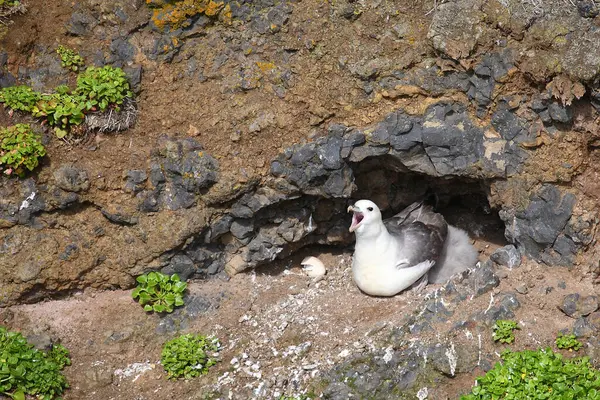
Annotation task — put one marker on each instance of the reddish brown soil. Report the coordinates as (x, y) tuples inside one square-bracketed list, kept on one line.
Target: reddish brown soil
[(174, 105), (267, 316)]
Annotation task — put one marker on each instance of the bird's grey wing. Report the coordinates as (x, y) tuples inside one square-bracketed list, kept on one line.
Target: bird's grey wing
[(419, 212), (408, 214), (417, 242)]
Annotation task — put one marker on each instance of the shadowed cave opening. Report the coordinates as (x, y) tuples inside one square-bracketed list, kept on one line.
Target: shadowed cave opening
[(462, 201)]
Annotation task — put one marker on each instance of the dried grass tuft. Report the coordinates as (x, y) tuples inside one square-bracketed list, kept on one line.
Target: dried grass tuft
[(111, 120), (7, 11)]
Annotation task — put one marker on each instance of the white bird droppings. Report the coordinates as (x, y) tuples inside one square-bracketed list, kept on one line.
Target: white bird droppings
[(389, 353), (25, 202), (136, 369), (452, 358)]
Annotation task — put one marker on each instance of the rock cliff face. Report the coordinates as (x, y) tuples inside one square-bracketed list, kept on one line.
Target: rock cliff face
[(181, 216), (260, 121), (502, 109)]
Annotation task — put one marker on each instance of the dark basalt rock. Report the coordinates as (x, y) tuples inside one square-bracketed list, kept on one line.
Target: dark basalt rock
[(134, 75), (218, 228), (242, 228), (503, 310), (71, 178), (180, 318), (483, 279), (251, 203), (209, 259), (507, 256), (81, 23), (181, 265), (180, 171), (507, 124), (481, 89), (535, 229), (451, 141), (6, 78), (119, 215), (135, 180), (122, 52), (575, 306), (322, 168), (560, 113)]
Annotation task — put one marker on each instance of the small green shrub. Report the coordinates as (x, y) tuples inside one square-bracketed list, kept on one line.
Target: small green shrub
[(503, 331), (21, 98), (540, 374), (103, 87), (568, 342), (61, 110), (20, 149), (9, 3), (69, 58), (27, 370), (159, 292), (97, 89), (189, 356)]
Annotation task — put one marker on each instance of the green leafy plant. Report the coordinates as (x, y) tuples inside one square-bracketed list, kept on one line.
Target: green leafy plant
[(540, 374), (21, 98), (27, 370), (503, 331), (568, 342), (61, 110), (20, 149), (97, 89), (9, 3), (189, 355), (159, 292), (103, 87), (69, 58)]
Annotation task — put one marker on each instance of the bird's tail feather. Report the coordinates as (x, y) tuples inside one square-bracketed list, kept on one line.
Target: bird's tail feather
[(457, 255)]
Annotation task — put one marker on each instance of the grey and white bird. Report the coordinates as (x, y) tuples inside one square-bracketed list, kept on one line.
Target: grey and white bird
[(414, 246)]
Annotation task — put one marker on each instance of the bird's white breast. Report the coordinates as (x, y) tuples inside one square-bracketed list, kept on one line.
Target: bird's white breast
[(377, 266)]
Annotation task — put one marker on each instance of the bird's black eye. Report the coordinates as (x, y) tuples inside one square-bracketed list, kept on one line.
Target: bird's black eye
[(370, 208)]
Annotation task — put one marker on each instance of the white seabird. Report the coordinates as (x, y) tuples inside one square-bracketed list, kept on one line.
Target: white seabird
[(415, 244)]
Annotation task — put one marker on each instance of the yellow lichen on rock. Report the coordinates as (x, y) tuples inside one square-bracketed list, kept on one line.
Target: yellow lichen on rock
[(226, 15), (265, 66), (212, 8), (177, 15)]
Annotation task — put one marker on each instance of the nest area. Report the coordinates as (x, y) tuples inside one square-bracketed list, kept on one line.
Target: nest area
[(111, 120)]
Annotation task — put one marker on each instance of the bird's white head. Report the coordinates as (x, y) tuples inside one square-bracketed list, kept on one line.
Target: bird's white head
[(366, 216)]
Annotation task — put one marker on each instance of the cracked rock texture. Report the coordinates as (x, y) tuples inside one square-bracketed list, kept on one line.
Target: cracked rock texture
[(466, 112), (258, 126)]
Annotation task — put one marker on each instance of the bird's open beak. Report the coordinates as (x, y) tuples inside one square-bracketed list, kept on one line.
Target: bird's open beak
[(357, 218)]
